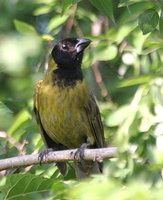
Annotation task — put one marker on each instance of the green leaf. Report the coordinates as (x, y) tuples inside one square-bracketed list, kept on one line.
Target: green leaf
[(161, 23), (43, 10), (105, 52), (135, 81), (76, 1), (66, 5), (24, 28), (47, 2), (56, 22), (124, 3), (139, 41), (105, 7), (22, 117), (124, 31), (19, 186), (148, 21), (5, 111), (114, 119)]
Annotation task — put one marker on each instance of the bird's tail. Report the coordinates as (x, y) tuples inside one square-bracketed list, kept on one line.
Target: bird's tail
[(62, 168), (84, 169)]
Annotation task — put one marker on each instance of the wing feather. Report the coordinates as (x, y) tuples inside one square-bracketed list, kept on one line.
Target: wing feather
[(95, 122)]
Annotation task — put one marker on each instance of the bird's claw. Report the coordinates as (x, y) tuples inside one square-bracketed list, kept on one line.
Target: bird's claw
[(43, 155), (79, 154)]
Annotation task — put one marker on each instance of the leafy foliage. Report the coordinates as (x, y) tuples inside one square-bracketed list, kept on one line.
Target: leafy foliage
[(148, 21), (25, 186), (124, 69)]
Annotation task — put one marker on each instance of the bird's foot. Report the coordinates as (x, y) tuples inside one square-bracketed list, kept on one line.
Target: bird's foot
[(43, 155), (79, 154)]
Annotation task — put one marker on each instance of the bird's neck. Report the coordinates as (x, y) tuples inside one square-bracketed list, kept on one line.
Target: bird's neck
[(65, 76)]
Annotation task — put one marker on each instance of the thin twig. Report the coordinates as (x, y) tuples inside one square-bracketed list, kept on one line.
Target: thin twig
[(13, 142), (79, 31), (98, 27), (57, 156), (100, 82), (70, 22)]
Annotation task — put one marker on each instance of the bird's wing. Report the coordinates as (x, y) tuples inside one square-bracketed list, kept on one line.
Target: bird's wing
[(36, 111), (94, 118), (47, 140)]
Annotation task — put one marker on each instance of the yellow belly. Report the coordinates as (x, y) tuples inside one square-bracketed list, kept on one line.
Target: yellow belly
[(63, 115)]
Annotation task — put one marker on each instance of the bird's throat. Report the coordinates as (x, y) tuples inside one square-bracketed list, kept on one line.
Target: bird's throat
[(67, 76)]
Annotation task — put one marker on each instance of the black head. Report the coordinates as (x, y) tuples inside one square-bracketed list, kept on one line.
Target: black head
[(69, 52)]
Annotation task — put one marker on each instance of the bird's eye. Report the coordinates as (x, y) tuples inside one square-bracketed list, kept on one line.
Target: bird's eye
[(64, 46)]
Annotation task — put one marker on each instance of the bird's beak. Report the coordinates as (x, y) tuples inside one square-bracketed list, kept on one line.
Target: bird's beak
[(82, 44)]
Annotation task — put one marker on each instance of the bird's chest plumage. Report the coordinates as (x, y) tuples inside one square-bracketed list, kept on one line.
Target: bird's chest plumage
[(63, 115)]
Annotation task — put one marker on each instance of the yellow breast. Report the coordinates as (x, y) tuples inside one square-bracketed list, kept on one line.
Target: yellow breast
[(63, 115)]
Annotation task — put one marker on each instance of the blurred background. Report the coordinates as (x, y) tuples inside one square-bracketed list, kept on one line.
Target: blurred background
[(123, 67)]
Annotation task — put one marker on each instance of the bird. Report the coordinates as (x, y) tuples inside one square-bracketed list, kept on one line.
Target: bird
[(65, 108)]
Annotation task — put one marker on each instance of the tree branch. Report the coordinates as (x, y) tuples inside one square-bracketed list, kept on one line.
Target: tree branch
[(57, 156)]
